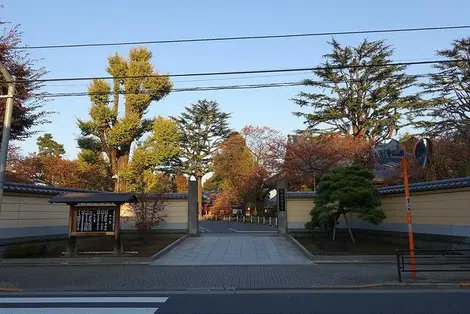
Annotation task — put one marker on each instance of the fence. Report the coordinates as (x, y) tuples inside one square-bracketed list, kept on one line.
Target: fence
[(269, 221), (433, 260)]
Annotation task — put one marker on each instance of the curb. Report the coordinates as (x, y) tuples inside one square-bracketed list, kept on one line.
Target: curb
[(339, 262), (314, 259), (89, 262), (306, 252), (167, 248)]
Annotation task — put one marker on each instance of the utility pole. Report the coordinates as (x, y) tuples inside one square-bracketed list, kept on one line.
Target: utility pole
[(6, 126)]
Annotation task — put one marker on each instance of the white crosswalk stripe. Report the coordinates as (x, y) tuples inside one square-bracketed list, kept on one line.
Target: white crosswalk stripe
[(80, 305)]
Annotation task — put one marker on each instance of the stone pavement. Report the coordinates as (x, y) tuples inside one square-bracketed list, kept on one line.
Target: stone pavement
[(234, 250), (139, 277), (165, 278)]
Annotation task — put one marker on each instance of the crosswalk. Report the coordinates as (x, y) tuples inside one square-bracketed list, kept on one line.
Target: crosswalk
[(80, 305)]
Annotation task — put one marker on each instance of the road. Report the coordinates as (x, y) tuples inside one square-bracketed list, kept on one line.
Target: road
[(325, 301), (212, 226)]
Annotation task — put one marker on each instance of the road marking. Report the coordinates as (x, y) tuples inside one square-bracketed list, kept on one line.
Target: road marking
[(83, 300), (78, 310), (80, 305), (241, 231), (205, 230)]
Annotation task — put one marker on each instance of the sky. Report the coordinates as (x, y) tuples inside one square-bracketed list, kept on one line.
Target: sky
[(51, 22)]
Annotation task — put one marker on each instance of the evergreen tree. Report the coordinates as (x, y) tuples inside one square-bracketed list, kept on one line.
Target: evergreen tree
[(203, 127), (448, 111), (48, 147), (363, 93), (345, 190)]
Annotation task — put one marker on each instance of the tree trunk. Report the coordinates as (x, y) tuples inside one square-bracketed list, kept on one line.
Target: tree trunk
[(349, 229), (199, 196)]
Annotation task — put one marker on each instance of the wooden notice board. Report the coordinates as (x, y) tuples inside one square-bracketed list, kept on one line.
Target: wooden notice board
[(94, 220)]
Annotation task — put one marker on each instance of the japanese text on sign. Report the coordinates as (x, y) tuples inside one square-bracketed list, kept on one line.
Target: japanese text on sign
[(95, 220)]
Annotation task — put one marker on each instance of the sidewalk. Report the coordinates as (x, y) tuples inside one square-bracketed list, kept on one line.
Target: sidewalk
[(147, 278)]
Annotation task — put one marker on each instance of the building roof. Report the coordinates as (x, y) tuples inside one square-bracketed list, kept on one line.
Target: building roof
[(90, 198), (13, 187), (399, 189)]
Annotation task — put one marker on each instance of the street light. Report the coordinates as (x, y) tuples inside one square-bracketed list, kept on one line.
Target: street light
[(6, 126)]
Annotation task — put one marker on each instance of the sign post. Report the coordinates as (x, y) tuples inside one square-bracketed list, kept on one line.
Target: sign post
[(393, 154), (411, 241), (281, 206)]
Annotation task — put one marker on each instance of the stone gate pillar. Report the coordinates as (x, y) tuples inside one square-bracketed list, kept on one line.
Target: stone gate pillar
[(281, 206), (193, 228)]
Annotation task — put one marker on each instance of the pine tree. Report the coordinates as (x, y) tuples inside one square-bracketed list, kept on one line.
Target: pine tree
[(48, 147), (345, 190)]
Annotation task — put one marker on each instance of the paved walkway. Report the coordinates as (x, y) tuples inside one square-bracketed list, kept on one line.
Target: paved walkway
[(210, 226), (234, 250)]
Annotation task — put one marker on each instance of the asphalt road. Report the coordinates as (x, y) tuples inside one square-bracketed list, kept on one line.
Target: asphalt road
[(327, 302), (211, 226)]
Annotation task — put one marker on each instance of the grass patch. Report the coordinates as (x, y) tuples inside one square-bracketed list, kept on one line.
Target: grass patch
[(143, 246), (365, 245)]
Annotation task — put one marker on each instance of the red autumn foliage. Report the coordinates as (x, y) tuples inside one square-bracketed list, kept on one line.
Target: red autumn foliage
[(307, 157)]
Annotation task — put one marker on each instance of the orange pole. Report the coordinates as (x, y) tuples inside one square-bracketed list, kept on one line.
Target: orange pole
[(408, 218)]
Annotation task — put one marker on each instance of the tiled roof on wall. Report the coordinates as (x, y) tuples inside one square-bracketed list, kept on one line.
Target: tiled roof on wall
[(52, 191), (427, 186), (399, 189), (40, 189)]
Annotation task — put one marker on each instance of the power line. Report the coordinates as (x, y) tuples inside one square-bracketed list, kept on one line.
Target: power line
[(213, 39), (176, 90), (200, 88), (330, 67)]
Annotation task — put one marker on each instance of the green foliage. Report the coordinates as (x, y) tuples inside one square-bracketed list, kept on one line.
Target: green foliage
[(110, 131), (25, 250), (48, 147), (159, 150), (448, 109), (345, 190), (364, 102), (203, 127)]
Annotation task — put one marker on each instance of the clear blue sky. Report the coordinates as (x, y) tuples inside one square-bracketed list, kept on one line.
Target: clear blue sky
[(64, 22)]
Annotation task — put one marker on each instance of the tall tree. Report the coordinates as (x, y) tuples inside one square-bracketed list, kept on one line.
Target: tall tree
[(48, 147), (203, 126), (448, 110), (28, 102), (267, 146), (107, 130), (237, 169), (363, 93)]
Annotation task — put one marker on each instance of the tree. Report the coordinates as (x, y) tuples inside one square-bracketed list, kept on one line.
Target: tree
[(267, 146), (448, 111), (203, 126), (345, 190), (149, 212), (235, 166), (364, 93), (152, 157), (181, 183), (28, 102), (308, 158), (48, 147), (213, 183), (114, 134)]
